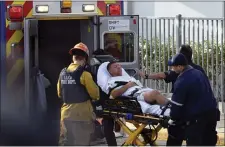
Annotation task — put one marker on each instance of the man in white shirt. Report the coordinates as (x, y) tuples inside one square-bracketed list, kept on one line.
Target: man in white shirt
[(131, 87)]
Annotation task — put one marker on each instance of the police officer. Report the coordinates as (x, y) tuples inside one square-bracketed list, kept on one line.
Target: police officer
[(171, 76), (76, 88), (193, 103), (176, 133)]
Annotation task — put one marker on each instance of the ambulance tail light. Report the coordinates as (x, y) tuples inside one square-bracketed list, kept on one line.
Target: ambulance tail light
[(134, 21), (42, 9), (15, 13), (66, 6), (114, 9), (88, 8)]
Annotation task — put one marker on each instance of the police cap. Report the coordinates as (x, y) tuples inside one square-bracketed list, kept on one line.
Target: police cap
[(178, 59)]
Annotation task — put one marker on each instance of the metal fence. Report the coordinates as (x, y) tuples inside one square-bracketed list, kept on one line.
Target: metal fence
[(160, 39)]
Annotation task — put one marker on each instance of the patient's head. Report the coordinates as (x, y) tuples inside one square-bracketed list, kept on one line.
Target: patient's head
[(114, 69)]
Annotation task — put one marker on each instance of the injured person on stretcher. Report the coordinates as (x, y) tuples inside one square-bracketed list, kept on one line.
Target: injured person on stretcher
[(114, 81)]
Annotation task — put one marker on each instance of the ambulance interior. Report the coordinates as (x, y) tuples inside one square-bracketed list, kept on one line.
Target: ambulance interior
[(55, 40), (51, 54)]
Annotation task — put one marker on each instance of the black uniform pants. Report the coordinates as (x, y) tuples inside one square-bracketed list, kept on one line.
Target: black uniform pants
[(176, 135), (108, 124), (203, 131)]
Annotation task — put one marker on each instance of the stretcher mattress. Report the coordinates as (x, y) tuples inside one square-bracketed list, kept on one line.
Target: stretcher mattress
[(103, 78)]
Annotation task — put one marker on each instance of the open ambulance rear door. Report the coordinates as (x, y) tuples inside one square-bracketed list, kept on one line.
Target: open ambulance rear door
[(119, 36), (30, 43)]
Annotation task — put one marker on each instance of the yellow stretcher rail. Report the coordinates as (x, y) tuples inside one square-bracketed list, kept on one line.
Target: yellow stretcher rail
[(141, 122)]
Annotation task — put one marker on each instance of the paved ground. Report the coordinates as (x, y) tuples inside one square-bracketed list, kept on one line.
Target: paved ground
[(161, 141)]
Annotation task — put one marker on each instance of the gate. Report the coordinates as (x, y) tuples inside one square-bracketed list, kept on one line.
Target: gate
[(161, 37)]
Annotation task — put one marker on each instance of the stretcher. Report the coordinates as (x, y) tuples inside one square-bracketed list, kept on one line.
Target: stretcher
[(147, 125)]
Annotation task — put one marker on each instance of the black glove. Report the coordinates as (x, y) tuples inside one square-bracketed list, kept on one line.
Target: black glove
[(164, 122)]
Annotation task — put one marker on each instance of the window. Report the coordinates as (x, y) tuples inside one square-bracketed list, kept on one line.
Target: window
[(120, 46)]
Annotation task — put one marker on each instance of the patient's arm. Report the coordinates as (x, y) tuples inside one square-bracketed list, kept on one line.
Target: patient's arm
[(118, 92)]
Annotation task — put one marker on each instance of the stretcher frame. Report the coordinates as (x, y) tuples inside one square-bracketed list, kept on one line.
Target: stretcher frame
[(135, 117)]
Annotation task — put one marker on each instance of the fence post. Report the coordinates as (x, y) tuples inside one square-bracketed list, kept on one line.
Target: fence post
[(222, 88), (178, 31)]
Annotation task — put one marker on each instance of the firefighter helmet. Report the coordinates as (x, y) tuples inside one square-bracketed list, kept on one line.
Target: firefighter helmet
[(79, 49)]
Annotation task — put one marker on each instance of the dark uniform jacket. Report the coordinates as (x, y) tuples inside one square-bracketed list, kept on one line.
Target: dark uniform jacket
[(192, 95)]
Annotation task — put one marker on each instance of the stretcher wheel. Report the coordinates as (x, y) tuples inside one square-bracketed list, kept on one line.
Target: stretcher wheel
[(147, 136)]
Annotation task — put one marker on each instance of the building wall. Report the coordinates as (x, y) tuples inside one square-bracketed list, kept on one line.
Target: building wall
[(171, 9)]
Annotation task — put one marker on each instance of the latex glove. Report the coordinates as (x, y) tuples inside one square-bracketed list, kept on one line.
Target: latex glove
[(171, 122)]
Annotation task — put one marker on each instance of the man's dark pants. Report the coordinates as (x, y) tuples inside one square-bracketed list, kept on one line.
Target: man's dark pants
[(203, 132), (176, 135), (108, 124)]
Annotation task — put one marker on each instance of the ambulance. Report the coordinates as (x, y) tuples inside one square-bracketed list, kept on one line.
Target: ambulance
[(37, 35)]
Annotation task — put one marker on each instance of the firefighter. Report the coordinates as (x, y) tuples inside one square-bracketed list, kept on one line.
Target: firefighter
[(176, 133), (193, 104), (76, 88)]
